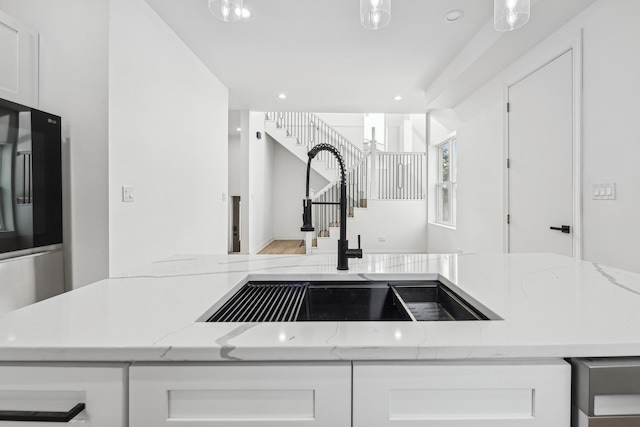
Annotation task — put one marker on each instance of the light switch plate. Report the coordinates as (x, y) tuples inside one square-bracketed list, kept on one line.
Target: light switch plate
[(128, 194), (604, 191)]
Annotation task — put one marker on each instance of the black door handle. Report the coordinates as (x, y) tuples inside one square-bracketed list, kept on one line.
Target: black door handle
[(42, 416), (565, 229)]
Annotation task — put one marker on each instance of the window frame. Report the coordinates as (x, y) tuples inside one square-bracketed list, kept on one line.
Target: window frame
[(451, 183)]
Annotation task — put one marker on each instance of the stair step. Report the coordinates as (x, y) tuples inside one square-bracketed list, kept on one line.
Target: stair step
[(326, 244)]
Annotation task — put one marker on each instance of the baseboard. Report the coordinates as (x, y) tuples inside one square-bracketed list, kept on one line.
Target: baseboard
[(261, 246), (298, 237), (395, 251)]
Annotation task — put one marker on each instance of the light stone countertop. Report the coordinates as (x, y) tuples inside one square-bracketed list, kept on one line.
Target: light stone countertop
[(551, 306)]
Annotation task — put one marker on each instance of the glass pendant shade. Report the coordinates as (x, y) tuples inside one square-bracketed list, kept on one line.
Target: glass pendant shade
[(375, 14), (226, 10), (510, 14)]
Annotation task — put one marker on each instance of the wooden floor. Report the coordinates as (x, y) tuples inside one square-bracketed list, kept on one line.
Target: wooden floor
[(284, 247)]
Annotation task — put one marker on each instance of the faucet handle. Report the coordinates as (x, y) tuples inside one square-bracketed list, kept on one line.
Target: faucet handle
[(358, 241)]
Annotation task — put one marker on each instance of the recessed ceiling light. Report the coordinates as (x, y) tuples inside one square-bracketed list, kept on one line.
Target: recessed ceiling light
[(282, 96), (246, 13), (453, 16), (397, 98), (239, 129)]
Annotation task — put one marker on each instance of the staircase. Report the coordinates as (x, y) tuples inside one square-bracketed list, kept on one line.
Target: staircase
[(385, 176), (299, 132)]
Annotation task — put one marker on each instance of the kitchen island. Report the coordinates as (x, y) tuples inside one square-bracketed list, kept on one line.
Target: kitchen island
[(148, 324)]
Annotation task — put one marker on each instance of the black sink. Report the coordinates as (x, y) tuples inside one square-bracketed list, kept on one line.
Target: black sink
[(351, 302), (345, 301), (434, 301)]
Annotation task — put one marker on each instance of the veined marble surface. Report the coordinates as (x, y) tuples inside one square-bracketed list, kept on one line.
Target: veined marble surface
[(551, 306)]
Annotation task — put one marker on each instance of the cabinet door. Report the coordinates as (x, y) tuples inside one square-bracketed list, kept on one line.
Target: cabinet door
[(461, 394), (241, 394), (59, 388), (19, 70)]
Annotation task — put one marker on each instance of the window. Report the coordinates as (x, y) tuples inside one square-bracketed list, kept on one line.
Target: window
[(447, 154)]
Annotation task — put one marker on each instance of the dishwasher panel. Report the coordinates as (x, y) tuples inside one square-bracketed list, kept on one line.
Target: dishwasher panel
[(606, 392)]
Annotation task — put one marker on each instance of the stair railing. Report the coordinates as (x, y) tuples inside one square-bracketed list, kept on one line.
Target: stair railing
[(311, 130), (358, 188), (401, 176)]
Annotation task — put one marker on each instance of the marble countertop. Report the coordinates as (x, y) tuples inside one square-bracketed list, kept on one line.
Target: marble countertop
[(551, 306)]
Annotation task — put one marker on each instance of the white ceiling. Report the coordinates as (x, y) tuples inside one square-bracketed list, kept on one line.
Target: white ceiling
[(317, 52)]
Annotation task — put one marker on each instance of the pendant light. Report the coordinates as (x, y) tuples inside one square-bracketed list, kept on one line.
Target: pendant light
[(510, 14), (226, 10), (375, 14)]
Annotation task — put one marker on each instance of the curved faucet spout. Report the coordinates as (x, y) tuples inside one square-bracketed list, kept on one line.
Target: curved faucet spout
[(333, 150), (344, 253)]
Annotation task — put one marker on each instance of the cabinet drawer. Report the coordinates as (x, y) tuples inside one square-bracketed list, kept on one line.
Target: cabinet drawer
[(461, 394), (58, 388), (241, 394)]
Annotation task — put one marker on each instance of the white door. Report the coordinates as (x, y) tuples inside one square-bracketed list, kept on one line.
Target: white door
[(541, 159)]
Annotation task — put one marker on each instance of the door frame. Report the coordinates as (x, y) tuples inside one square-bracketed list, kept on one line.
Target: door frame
[(575, 47)]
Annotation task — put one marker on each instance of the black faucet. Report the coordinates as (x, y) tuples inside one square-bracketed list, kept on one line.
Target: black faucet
[(344, 253)]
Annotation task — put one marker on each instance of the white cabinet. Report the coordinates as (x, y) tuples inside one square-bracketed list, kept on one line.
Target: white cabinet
[(241, 394), (58, 388), (327, 394), (19, 69), (461, 394)]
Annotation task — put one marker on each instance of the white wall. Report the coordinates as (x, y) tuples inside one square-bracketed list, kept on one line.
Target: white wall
[(168, 140), (235, 165), (394, 133), (611, 132), (245, 197), (289, 187), (419, 132), (401, 224), (479, 203), (261, 175), (74, 84), (610, 139)]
